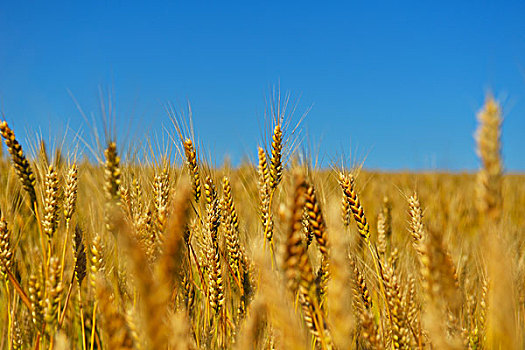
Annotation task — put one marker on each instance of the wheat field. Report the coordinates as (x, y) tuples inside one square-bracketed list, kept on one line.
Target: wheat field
[(278, 254)]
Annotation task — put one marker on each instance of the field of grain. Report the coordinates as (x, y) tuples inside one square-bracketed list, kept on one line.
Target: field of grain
[(276, 255)]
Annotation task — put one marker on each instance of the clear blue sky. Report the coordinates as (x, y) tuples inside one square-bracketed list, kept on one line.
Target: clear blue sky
[(398, 82)]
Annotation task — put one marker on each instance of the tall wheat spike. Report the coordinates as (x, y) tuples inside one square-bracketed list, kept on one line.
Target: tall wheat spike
[(193, 166), (416, 227), (36, 295), (96, 260), (112, 173), (79, 255), (398, 325), (112, 182), (70, 193), (264, 194), (161, 192), (316, 220), (298, 269), (381, 235), (54, 289), (231, 226), (6, 252), (488, 137), (20, 162), (216, 287), (276, 166), (51, 197), (348, 185)]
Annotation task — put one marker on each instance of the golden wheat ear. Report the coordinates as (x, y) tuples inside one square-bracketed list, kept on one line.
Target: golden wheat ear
[(54, 290), (79, 254), (416, 228), (113, 321), (276, 165), (6, 253), (112, 173), (216, 286), (96, 261), (316, 219), (70, 193), (36, 297), (264, 195), (381, 235), (489, 178), (384, 227), (169, 264), (161, 193), (20, 162), (362, 301), (51, 202), (193, 166), (112, 183), (231, 227), (347, 183), (299, 272), (399, 328)]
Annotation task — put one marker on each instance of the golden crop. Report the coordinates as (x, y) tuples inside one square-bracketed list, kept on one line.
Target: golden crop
[(270, 255)]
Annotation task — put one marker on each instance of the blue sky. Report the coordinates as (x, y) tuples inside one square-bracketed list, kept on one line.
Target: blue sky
[(397, 82)]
